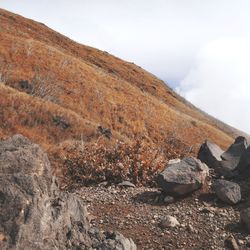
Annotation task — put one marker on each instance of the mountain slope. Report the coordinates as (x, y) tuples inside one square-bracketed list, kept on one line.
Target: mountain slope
[(57, 90)]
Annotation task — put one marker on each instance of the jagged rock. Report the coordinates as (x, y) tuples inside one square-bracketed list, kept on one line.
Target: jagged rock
[(183, 177), (227, 191), (210, 154), (168, 222), (34, 213), (231, 157), (245, 218), (244, 164), (224, 163)]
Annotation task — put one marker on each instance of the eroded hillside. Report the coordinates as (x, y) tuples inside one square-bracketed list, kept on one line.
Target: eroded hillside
[(58, 92)]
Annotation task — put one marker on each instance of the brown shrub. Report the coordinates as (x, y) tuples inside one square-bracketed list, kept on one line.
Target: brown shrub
[(79, 163)]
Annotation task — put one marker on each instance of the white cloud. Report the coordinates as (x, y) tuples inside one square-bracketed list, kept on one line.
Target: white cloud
[(219, 81)]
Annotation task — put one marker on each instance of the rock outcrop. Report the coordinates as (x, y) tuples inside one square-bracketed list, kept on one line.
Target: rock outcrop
[(34, 213), (210, 154), (227, 191), (225, 163), (183, 177), (231, 157)]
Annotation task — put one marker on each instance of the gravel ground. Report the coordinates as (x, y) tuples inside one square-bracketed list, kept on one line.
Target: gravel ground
[(205, 222)]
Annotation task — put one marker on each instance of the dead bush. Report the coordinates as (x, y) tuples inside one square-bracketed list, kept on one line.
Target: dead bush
[(91, 163)]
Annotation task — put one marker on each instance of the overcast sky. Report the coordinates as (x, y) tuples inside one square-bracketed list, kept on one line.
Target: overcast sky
[(200, 48)]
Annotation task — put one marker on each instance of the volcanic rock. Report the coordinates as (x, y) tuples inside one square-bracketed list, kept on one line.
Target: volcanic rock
[(231, 157), (244, 164), (34, 213), (224, 163), (227, 191), (183, 177), (210, 154)]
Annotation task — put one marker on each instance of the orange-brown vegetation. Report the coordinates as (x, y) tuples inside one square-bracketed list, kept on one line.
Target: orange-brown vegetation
[(57, 92), (87, 163)]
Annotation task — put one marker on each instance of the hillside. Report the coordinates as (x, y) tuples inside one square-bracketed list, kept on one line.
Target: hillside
[(58, 92)]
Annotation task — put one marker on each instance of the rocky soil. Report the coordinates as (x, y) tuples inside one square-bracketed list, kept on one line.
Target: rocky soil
[(205, 211), (205, 222)]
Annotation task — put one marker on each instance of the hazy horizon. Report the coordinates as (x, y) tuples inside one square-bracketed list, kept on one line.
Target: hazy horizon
[(201, 49)]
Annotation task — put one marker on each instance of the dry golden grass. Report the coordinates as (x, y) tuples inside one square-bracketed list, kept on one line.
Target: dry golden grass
[(57, 90), (44, 122)]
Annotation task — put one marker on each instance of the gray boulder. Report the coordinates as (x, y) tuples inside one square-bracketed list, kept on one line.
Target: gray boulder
[(183, 177), (34, 213), (227, 191), (210, 154), (231, 157)]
